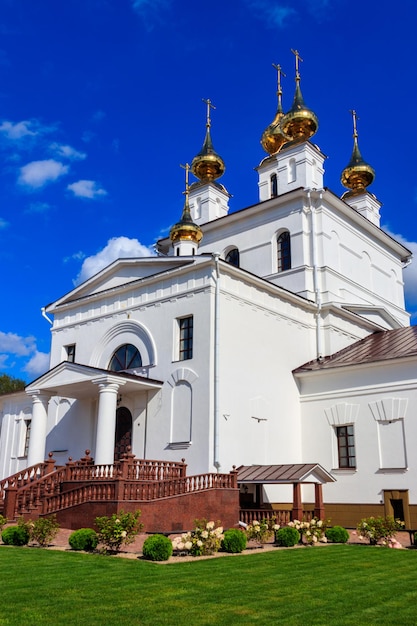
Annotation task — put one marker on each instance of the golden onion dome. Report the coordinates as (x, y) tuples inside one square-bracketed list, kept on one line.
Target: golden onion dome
[(186, 229), (358, 174), (300, 123), (207, 165), (273, 138)]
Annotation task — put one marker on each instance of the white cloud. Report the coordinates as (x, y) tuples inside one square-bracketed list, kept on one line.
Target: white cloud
[(116, 248), (77, 256), (38, 207), (3, 223), (150, 11), (14, 344), (274, 14), (37, 365), (87, 189), (37, 174), (17, 131), (67, 152)]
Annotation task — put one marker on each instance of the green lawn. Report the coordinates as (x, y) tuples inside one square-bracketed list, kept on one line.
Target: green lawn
[(331, 585)]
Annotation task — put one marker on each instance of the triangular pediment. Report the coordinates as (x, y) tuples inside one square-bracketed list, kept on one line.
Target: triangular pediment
[(120, 272), (72, 380), (376, 315)]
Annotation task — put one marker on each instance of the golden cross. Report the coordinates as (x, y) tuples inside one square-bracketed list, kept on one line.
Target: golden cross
[(355, 119), (209, 106), (297, 60), (279, 74), (186, 167)]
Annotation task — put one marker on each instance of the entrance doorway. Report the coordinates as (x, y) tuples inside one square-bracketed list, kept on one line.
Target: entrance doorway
[(123, 438), (396, 504)]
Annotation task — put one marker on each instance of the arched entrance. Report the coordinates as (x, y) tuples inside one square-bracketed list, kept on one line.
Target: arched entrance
[(123, 437)]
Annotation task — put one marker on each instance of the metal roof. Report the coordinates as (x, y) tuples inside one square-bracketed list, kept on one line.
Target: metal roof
[(380, 346), (288, 473)]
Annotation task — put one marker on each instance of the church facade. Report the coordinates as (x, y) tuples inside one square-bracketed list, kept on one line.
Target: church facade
[(276, 334)]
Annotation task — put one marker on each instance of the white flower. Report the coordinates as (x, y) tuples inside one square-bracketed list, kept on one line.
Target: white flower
[(180, 545), (204, 534), (188, 545), (199, 543), (320, 523), (323, 539), (314, 538), (210, 525), (275, 527), (123, 533), (255, 522)]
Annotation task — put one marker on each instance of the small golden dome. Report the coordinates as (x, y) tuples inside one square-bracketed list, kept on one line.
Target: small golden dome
[(273, 138), (207, 165), (358, 174), (300, 123), (186, 229)]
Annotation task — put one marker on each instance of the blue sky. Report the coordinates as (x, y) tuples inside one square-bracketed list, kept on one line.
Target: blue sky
[(101, 100)]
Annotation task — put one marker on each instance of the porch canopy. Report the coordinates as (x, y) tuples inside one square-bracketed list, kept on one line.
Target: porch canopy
[(295, 474)]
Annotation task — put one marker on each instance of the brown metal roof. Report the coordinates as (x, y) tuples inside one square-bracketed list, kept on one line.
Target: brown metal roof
[(380, 346), (288, 473)]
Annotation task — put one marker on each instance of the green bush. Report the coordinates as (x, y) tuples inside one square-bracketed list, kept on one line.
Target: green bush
[(3, 522), (287, 537), (117, 529), (43, 530), (15, 536), (157, 548), (234, 541), (83, 539), (337, 534)]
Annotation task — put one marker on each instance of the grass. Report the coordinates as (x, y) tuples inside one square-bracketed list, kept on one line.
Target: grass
[(330, 586)]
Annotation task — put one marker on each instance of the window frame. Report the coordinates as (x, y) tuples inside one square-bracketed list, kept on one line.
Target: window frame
[(346, 450), (185, 337), (131, 360), (284, 262)]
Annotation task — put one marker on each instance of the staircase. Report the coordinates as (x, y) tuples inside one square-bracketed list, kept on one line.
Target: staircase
[(80, 491)]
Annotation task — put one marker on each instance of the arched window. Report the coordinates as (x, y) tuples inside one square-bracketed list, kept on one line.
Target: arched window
[(274, 186), (233, 257), (284, 251), (126, 357)]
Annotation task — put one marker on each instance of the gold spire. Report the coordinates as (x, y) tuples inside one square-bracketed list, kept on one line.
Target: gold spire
[(207, 165), (186, 229), (358, 174), (300, 123), (273, 138)]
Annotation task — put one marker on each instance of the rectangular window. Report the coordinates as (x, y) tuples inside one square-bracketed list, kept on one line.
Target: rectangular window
[(346, 446), (70, 353), (186, 338), (28, 424)]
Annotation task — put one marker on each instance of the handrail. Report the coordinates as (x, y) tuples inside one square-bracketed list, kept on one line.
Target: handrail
[(23, 477)]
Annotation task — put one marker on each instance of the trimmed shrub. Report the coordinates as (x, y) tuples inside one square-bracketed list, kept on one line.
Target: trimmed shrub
[(15, 536), (117, 529), (287, 537), (234, 541), (83, 539), (337, 534), (157, 548)]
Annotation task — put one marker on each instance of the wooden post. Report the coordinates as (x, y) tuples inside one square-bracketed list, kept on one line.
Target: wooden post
[(10, 497), (318, 503), (297, 506)]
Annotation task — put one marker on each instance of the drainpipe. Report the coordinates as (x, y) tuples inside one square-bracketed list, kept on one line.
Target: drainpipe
[(45, 315), (317, 290), (216, 424)]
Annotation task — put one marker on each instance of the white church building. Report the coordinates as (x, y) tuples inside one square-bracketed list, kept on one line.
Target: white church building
[(275, 334)]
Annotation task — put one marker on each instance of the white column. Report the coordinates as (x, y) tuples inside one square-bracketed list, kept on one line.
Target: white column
[(37, 441), (106, 420)]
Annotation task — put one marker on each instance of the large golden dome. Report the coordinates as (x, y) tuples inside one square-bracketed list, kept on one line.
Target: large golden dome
[(358, 174), (300, 123), (207, 165)]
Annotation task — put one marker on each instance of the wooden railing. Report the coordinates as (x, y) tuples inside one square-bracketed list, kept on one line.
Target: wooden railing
[(98, 491), (282, 517)]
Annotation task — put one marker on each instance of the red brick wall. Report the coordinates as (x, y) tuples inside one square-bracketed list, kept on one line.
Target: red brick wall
[(168, 515)]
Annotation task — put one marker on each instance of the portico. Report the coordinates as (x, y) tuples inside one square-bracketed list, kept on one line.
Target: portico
[(80, 382)]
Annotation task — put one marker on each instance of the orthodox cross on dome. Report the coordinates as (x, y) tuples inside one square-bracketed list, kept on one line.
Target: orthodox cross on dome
[(355, 119), (297, 60), (210, 105), (279, 74), (187, 168)]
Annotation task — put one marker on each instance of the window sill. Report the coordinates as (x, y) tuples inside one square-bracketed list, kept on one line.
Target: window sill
[(344, 470), (179, 445)]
